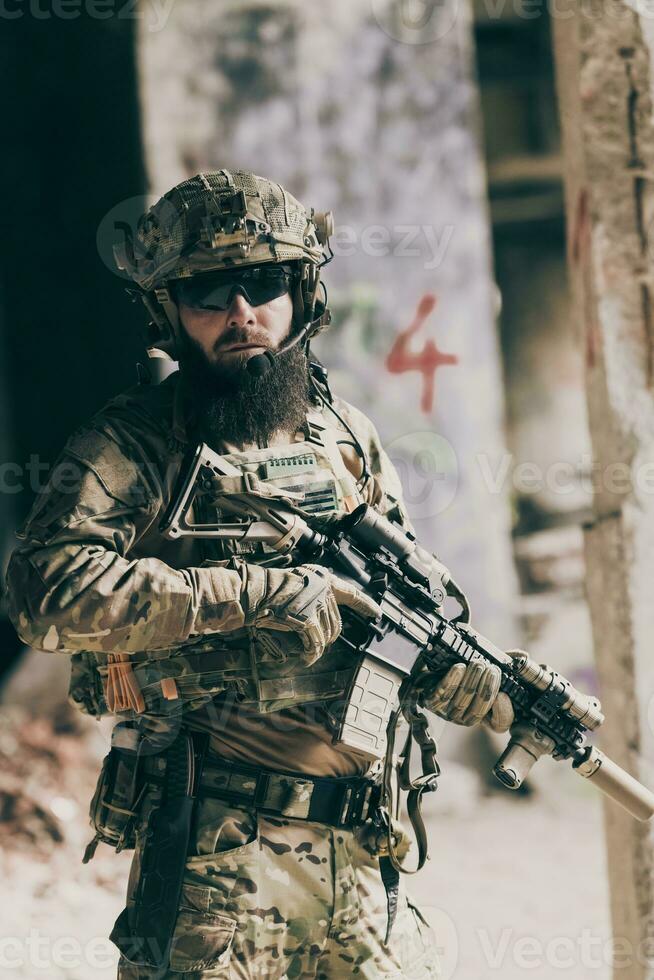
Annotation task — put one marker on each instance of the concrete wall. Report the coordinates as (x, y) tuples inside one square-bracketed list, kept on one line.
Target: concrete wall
[(605, 78)]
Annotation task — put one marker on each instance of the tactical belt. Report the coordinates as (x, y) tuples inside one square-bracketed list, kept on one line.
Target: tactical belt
[(336, 801)]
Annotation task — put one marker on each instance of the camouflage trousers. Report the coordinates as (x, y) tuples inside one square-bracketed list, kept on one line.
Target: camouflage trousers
[(283, 899)]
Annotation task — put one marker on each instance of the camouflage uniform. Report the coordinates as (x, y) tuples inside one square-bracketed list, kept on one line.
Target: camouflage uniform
[(262, 897), (276, 898)]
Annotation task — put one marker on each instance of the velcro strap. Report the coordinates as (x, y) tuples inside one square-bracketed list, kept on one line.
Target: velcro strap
[(230, 664), (321, 684), (249, 483)]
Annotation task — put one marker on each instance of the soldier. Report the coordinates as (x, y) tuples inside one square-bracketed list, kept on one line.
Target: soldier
[(225, 643)]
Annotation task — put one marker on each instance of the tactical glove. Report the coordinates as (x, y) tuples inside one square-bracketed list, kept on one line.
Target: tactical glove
[(303, 600), (469, 694)]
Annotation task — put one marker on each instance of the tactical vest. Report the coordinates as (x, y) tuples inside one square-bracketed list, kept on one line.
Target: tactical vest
[(313, 475)]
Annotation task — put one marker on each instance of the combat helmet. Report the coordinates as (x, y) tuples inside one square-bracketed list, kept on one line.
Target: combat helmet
[(215, 221)]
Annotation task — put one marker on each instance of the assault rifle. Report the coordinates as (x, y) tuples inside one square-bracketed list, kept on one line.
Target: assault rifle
[(413, 639)]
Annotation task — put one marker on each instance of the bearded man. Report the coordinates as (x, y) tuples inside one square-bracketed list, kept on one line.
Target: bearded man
[(220, 657)]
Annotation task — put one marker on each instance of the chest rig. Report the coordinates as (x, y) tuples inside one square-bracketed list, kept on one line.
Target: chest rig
[(310, 473)]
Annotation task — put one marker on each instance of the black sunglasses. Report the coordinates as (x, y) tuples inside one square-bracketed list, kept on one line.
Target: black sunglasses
[(215, 291)]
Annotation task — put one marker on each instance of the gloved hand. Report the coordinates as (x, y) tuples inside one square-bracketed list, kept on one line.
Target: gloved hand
[(469, 694), (303, 600)]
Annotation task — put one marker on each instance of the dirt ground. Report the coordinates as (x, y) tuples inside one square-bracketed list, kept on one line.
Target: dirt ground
[(515, 888)]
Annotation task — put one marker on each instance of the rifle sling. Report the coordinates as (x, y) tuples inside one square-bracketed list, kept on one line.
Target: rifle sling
[(390, 865)]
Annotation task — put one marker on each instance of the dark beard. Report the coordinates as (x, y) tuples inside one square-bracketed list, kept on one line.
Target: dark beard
[(240, 408)]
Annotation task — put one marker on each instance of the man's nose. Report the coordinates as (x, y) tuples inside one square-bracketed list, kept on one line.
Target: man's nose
[(240, 313)]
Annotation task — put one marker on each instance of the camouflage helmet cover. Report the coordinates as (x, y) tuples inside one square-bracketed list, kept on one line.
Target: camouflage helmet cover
[(218, 220)]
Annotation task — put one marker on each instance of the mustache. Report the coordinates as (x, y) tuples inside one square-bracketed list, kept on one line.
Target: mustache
[(239, 336)]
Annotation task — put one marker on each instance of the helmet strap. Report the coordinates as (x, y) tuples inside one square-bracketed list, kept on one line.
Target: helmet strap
[(163, 329)]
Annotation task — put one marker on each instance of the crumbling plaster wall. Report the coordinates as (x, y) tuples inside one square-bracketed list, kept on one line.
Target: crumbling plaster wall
[(605, 78)]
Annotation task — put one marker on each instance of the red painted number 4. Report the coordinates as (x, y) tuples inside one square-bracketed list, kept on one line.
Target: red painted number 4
[(401, 359)]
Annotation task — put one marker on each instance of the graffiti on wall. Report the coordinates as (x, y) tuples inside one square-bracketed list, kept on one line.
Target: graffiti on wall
[(400, 358)]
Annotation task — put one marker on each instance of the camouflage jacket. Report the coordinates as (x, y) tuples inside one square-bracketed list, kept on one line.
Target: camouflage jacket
[(94, 576)]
